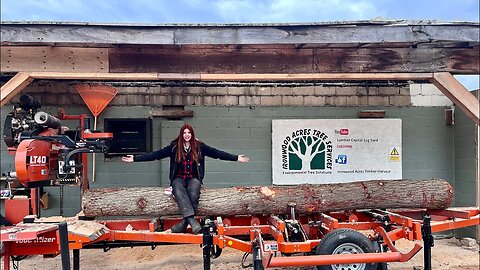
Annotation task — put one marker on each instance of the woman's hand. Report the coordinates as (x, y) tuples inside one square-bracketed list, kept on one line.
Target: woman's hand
[(127, 158), (243, 158)]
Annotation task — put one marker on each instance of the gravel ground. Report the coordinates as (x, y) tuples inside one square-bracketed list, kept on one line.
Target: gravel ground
[(447, 254)]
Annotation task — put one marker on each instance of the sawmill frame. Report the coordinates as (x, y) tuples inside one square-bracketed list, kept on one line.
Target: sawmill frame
[(260, 235)]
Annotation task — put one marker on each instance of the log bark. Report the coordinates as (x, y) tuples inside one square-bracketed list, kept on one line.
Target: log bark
[(264, 200)]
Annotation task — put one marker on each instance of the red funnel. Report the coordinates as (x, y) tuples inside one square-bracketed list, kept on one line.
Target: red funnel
[(96, 96)]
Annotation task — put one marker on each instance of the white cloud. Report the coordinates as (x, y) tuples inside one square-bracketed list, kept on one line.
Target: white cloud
[(363, 9), (236, 10), (294, 10)]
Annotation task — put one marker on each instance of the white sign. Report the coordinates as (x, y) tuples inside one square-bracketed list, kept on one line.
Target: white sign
[(319, 151)]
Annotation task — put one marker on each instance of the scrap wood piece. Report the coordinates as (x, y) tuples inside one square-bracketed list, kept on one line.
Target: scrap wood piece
[(90, 229), (266, 200), (52, 219)]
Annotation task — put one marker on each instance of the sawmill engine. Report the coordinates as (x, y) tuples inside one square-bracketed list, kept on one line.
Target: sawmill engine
[(22, 119), (47, 152)]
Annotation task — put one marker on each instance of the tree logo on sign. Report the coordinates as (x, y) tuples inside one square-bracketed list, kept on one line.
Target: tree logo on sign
[(307, 149)]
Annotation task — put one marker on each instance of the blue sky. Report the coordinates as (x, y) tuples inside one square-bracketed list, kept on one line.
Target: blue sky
[(241, 11), (236, 11)]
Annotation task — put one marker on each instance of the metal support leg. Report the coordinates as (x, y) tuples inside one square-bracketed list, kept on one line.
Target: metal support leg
[(61, 200), (76, 259), (63, 231), (5, 253), (6, 261), (37, 201), (292, 210), (427, 242), (257, 258), (207, 245)]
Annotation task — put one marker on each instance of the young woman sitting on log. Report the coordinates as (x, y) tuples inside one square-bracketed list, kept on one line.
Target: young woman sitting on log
[(187, 169)]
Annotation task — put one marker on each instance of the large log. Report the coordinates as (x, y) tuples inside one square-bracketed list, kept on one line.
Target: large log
[(258, 200)]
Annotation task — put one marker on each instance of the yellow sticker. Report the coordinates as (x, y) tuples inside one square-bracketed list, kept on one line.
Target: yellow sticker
[(394, 155)]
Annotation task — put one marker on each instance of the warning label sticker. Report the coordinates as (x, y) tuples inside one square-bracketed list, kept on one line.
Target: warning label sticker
[(394, 154)]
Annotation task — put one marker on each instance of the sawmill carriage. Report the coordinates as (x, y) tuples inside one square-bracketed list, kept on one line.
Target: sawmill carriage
[(48, 154)]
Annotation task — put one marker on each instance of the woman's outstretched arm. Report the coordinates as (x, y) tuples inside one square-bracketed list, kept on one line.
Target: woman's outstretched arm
[(158, 154), (219, 154)]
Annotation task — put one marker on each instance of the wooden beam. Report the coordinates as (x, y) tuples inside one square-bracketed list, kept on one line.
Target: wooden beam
[(318, 77), (371, 114), (282, 58), (458, 94), (113, 76), (172, 113), (94, 76), (287, 59), (63, 59), (232, 77), (14, 86), (107, 35)]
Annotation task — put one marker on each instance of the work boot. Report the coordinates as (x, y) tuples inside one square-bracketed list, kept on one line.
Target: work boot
[(180, 227), (196, 227)]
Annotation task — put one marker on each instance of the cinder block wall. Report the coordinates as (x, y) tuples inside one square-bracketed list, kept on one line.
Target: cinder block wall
[(237, 118)]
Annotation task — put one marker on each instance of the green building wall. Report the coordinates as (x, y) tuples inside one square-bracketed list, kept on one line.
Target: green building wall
[(428, 146)]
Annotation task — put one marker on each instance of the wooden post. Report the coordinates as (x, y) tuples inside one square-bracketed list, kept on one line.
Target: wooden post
[(457, 93), (14, 86)]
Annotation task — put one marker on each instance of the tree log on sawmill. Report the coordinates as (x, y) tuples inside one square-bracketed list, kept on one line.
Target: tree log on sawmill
[(258, 200)]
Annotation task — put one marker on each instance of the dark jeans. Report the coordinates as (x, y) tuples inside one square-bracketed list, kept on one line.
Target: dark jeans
[(187, 194)]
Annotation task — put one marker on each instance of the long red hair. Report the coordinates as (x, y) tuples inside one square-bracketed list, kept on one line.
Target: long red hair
[(194, 145)]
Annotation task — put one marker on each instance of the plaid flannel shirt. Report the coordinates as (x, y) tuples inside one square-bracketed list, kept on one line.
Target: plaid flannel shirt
[(186, 170)]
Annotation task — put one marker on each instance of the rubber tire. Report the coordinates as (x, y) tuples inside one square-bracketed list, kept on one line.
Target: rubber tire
[(338, 237), (382, 266)]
